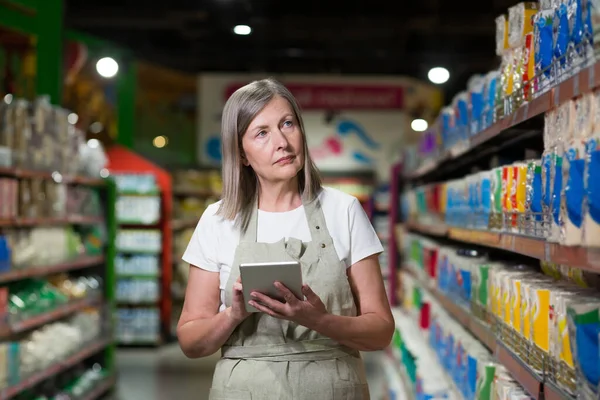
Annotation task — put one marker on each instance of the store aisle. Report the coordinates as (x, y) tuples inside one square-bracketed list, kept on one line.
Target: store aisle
[(166, 374), (163, 373)]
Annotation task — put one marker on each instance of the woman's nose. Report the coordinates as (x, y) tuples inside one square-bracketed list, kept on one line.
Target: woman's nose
[(281, 140)]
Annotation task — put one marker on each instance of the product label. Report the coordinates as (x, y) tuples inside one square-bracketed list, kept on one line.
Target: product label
[(574, 190), (593, 180)]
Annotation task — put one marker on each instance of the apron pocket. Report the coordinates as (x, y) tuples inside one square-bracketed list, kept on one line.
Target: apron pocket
[(229, 394), (350, 391)]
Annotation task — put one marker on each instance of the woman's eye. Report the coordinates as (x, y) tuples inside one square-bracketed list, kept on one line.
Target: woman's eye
[(288, 124), (262, 133)]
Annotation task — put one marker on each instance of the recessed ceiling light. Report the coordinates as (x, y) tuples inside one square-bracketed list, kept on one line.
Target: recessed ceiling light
[(160, 141), (107, 67), (242, 30), (419, 125), (438, 75)]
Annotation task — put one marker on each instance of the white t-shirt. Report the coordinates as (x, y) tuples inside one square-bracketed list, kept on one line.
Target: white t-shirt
[(215, 239)]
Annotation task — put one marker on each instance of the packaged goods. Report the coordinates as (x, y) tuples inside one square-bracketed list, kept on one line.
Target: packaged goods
[(574, 170), (591, 228)]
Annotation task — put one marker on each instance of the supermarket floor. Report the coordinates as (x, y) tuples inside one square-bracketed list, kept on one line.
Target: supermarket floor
[(165, 374), (162, 374)]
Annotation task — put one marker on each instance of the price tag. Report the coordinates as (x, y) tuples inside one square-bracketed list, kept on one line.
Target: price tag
[(576, 85), (556, 94)]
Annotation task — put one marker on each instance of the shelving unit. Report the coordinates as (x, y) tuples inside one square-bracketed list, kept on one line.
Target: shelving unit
[(193, 190), (89, 258), (459, 201), (533, 382), (138, 264)]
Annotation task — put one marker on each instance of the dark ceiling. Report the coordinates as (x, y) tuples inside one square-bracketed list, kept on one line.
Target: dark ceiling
[(330, 36)]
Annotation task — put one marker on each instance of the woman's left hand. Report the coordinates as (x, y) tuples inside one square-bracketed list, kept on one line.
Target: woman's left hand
[(304, 312)]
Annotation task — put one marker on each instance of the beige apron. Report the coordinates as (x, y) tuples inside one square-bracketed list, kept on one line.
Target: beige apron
[(271, 359)]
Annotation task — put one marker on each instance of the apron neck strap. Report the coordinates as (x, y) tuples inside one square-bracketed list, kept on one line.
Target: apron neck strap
[(312, 210)]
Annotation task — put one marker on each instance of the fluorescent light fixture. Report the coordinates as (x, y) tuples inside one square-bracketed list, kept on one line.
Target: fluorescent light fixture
[(419, 125), (438, 75), (242, 30), (107, 67)]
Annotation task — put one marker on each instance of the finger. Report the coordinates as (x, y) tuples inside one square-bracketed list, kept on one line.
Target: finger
[(239, 279), (265, 309), (237, 286), (287, 294), (310, 295), (268, 301)]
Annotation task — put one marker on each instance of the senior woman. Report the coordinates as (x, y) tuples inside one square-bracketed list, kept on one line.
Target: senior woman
[(274, 209)]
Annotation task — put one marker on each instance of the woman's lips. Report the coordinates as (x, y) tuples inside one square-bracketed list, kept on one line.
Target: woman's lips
[(285, 160)]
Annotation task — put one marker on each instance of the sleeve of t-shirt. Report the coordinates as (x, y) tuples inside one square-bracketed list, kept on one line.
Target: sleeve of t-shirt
[(202, 248), (364, 241)]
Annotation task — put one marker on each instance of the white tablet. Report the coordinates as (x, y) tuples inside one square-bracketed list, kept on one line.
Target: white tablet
[(260, 277)]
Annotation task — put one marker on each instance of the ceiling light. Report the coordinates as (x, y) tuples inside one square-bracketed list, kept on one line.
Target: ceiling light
[(93, 143), (242, 30), (73, 118), (160, 141), (419, 125), (107, 67), (438, 75), (8, 98)]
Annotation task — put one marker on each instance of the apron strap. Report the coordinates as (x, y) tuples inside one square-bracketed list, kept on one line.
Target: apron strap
[(305, 350)]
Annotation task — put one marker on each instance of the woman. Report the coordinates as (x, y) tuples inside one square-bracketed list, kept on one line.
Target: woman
[(274, 209)]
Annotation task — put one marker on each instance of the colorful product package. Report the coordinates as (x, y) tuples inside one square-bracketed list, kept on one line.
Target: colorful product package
[(574, 169), (591, 228), (565, 123), (539, 300), (501, 34), (544, 50), (533, 202), (496, 198), (475, 87), (489, 107), (529, 67), (584, 331), (562, 36), (520, 22)]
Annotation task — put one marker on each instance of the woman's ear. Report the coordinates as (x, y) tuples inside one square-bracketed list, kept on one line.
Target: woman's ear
[(244, 160)]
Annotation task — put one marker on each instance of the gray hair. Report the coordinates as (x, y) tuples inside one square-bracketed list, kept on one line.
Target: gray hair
[(240, 183)]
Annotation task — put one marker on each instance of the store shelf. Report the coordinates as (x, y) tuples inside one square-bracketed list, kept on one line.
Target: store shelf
[(551, 392), (31, 174), (529, 379), (106, 385), (580, 257), (54, 315), (526, 377), (585, 81), (55, 369), (32, 222), (75, 264)]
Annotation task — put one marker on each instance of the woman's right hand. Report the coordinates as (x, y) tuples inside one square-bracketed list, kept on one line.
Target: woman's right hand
[(238, 306)]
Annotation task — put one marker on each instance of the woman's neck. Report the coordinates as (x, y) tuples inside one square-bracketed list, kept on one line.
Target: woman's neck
[(279, 197)]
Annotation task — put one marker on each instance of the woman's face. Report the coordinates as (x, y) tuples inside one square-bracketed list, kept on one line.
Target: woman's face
[(273, 143)]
